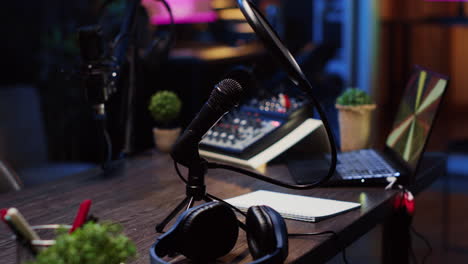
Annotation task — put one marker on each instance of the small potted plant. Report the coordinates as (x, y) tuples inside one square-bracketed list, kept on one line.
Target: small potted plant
[(92, 243), (355, 109), (165, 108)]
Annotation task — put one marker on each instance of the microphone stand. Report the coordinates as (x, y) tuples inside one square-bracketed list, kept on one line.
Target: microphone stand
[(195, 190), (124, 44), (101, 71)]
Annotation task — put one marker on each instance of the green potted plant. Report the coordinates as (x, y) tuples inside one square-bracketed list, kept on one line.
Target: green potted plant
[(92, 243), (165, 108), (355, 111)]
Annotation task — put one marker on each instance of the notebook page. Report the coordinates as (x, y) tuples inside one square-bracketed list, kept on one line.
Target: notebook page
[(295, 207)]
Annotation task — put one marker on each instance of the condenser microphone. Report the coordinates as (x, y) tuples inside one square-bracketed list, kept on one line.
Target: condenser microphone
[(223, 98)]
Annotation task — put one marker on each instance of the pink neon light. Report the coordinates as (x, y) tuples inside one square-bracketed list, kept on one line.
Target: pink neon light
[(185, 11)]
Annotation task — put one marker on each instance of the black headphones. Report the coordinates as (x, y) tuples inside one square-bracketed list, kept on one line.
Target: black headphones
[(209, 231)]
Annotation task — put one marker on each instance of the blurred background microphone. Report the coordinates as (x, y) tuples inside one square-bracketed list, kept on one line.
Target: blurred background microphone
[(98, 73)]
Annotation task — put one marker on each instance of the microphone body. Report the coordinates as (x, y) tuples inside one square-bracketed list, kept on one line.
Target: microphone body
[(224, 96), (185, 151)]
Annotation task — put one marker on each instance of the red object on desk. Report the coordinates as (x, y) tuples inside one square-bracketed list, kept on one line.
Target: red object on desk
[(3, 212), (405, 202), (81, 216)]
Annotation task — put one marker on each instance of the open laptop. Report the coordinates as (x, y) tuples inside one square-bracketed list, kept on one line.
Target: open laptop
[(405, 143)]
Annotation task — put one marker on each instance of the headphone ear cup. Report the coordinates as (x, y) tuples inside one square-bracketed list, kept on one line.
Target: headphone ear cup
[(266, 232), (208, 232), (260, 232)]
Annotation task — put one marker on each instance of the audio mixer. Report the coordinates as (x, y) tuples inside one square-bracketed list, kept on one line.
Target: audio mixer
[(255, 125)]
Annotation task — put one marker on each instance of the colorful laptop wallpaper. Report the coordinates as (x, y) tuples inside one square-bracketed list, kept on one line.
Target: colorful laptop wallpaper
[(416, 115)]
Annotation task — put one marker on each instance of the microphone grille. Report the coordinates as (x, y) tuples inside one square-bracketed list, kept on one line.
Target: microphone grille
[(227, 94)]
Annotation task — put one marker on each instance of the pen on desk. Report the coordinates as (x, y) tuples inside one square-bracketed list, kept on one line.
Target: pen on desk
[(12, 228), (81, 216), (21, 228), (3, 213)]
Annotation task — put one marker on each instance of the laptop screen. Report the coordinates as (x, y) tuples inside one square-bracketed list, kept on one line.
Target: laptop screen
[(416, 115)]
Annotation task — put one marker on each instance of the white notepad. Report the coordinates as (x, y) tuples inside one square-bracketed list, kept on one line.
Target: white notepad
[(296, 207)]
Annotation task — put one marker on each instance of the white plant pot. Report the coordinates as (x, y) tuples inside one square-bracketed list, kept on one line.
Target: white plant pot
[(164, 139)]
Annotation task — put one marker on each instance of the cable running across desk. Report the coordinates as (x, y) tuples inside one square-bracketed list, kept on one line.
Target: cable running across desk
[(424, 239), (328, 232)]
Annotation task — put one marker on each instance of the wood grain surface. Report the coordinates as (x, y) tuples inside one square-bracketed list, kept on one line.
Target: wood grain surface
[(143, 190)]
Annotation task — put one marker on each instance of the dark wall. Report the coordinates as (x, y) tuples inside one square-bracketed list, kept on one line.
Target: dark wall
[(298, 22), (38, 48), (19, 46)]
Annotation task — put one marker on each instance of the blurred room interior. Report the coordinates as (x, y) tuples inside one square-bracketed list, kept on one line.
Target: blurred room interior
[(47, 130)]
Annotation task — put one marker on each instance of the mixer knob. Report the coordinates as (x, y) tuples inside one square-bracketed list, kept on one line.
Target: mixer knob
[(231, 139), (258, 123), (209, 133)]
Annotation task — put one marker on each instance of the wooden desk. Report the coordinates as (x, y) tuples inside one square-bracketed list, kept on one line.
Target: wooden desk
[(145, 189)]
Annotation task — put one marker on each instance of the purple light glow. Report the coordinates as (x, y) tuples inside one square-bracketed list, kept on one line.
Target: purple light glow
[(185, 11)]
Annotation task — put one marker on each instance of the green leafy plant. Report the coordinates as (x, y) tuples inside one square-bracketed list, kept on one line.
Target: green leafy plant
[(354, 97), (165, 107), (91, 244)]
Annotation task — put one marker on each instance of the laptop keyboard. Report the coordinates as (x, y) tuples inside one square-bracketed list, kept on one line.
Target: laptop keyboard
[(365, 164)]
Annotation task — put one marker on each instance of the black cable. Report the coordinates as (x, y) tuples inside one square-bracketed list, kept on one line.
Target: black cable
[(172, 29), (214, 165), (108, 141), (109, 145), (413, 255), (176, 166), (343, 254), (326, 124), (307, 89), (428, 244), (171, 15), (127, 28), (226, 203), (117, 40), (333, 233)]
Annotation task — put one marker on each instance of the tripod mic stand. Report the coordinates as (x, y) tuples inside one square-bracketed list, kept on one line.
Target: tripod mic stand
[(195, 191)]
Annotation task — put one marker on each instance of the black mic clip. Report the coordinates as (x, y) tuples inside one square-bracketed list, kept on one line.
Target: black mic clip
[(99, 70)]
